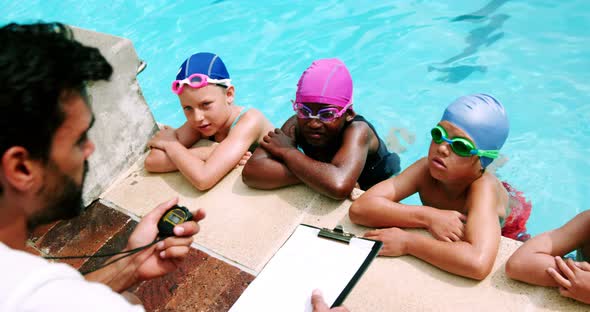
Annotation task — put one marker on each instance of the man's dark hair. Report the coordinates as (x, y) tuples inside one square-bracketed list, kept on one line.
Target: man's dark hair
[(39, 63)]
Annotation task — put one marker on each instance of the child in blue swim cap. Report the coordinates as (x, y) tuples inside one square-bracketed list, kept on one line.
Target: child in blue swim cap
[(204, 88), (461, 201)]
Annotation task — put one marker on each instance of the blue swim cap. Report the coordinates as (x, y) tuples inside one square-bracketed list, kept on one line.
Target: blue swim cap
[(483, 118), (203, 63)]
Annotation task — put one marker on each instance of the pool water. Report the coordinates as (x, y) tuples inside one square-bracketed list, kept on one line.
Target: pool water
[(408, 60)]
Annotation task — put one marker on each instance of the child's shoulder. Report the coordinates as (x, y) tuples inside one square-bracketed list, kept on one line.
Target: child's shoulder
[(359, 121), (419, 172), (488, 183), (252, 114), (254, 122), (359, 125), (584, 216), (487, 180), (252, 118)]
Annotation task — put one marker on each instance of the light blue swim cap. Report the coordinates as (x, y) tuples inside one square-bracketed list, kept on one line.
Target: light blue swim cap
[(483, 118)]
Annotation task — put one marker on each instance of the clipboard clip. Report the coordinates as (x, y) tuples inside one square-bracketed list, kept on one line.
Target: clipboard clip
[(337, 234)]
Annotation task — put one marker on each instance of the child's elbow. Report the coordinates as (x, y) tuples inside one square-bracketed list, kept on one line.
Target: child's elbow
[(204, 185), (337, 195), (249, 176), (481, 274), (480, 269), (356, 212), (203, 181), (151, 163), (514, 267), (340, 191)]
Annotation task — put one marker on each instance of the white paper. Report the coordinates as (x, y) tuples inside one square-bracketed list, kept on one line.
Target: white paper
[(304, 263)]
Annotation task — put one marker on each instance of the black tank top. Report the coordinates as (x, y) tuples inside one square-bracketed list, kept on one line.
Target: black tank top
[(379, 165)]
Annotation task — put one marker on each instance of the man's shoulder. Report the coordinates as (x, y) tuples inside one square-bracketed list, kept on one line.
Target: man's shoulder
[(32, 283), (20, 263), (20, 269)]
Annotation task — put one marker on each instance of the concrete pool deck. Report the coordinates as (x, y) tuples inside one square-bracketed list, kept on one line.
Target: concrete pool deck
[(244, 227)]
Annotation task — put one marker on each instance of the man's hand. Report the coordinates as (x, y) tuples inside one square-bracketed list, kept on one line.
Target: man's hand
[(277, 143), (447, 225), (319, 305), (394, 241), (162, 138), (164, 257), (575, 281)]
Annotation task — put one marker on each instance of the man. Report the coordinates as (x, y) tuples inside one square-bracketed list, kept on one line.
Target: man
[(43, 151)]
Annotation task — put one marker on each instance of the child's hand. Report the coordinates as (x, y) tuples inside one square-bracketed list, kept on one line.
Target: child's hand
[(277, 143), (356, 192), (394, 241), (244, 159), (583, 265), (575, 281), (447, 225), (165, 135)]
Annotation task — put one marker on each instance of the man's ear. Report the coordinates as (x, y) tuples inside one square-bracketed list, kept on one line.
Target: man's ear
[(229, 94), (19, 170)]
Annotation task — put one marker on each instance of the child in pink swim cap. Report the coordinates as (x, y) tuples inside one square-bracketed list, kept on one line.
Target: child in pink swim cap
[(325, 145)]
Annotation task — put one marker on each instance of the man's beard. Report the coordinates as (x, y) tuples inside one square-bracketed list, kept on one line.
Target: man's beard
[(63, 199)]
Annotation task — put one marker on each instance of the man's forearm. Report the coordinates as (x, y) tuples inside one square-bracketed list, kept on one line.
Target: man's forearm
[(119, 276)]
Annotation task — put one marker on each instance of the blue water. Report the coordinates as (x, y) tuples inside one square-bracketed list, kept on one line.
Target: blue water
[(408, 61)]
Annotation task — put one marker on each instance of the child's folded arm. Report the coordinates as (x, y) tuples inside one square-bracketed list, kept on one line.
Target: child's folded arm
[(474, 256), (158, 161), (530, 262), (461, 258), (263, 172), (379, 206), (337, 178), (227, 154), (320, 176)]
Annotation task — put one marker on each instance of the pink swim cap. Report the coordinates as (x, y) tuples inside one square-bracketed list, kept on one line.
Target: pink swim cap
[(326, 81)]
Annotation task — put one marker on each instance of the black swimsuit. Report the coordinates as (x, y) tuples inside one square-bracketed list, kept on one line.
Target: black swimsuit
[(379, 166)]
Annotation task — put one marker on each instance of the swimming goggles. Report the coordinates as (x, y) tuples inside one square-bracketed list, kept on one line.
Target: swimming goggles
[(324, 115), (198, 81), (461, 146)]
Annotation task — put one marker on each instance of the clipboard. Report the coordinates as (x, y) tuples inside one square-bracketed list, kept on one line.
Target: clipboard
[(311, 258)]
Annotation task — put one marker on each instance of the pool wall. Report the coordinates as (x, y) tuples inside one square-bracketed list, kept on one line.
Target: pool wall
[(123, 122)]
